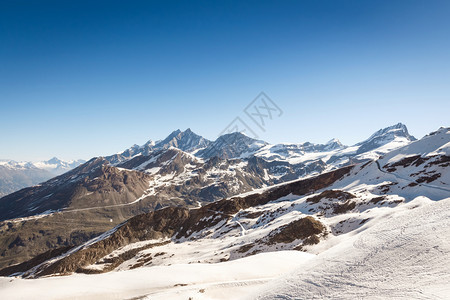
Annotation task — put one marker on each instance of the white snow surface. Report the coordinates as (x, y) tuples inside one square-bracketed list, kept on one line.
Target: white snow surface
[(404, 256), (437, 143), (225, 280)]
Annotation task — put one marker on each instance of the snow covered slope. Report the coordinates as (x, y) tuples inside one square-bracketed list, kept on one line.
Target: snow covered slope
[(422, 162), (227, 280), (334, 154), (406, 255)]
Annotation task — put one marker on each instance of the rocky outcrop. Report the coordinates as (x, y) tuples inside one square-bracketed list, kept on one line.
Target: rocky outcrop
[(331, 194), (25, 266), (305, 228)]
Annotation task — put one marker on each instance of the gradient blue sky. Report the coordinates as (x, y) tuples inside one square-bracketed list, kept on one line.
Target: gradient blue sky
[(85, 78)]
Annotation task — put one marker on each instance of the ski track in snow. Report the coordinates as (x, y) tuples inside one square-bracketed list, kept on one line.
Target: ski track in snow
[(407, 256)]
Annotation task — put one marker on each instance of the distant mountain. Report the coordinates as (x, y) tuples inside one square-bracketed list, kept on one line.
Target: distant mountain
[(57, 166), (14, 176), (17, 175)]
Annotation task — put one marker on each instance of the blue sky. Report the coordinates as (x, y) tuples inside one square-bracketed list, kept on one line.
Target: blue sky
[(85, 78)]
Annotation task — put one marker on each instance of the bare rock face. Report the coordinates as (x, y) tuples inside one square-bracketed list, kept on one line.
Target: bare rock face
[(109, 186), (332, 194), (300, 229)]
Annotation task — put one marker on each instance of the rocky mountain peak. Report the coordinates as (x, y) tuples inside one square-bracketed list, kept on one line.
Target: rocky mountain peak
[(232, 145), (184, 140), (397, 132), (54, 160), (333, 144)]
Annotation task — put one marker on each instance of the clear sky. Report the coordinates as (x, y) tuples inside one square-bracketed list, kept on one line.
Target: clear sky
[(85, 78)]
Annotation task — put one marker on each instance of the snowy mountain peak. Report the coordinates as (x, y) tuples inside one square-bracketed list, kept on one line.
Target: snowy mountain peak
[(441, 130), (333, 140), (54, 160), (184, 140), (232, 145), (333, 144), (172, 135), (150, 143), (388, 133), (237, 136), (396, 134), (57, 166)]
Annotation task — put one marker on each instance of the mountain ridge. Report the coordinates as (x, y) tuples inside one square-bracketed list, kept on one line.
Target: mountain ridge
[(165, 177), (205, 148)]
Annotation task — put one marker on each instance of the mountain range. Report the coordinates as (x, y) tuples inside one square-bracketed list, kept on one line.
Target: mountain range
[(201, 170), (324, 211), (183, 170), (188, 188), (17, 175)]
